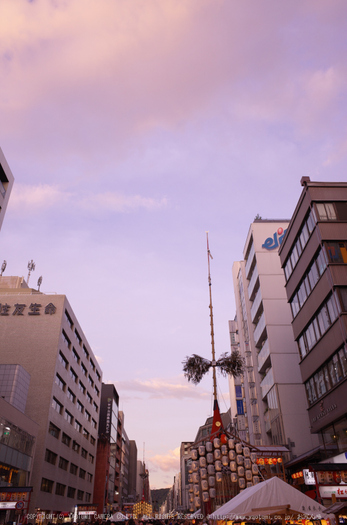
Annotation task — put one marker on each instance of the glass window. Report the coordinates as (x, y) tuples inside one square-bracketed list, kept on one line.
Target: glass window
[(71, 395), (47, 485), (311, 221), (53, 430), (73, 375), (313, 390), (323, 320), (63, 463), (295, 305), (304, 235), (343, 297), (302, 294), (60, 382), (78, 426), (288, 269), (75, 446), (321, 264), (66, 439), (75, 355), (80, 495), (60, 489), (302, 346), (332, 309), (313, 275), (50, 457), (327, 377), (63, 360), (73, 469), (84, 453), (66, 339), (68, 417), (58, 407), (343, 360), (79, 406), (310, 336), (326, 211), (71, 492), (82, 473), (334, 252)]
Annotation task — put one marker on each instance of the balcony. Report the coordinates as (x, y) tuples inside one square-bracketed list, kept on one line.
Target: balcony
[(259, 329), (267, 383), (264, 360), (249, 261), (252, 284), (267, 422), (256, 305)]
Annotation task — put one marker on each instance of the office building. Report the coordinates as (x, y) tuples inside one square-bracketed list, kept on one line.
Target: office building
[(314, 258), (274, 403), (6, 183), (41, 333)]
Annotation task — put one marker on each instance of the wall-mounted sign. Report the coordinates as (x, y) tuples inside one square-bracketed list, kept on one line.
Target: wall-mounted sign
[(308, 477), (32, 309), (271, 243), (340, 492)]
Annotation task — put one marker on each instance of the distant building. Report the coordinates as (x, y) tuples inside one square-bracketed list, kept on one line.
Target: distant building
[(41, 333), (6, 183), (314, 258), (274, 401), (185, 461)]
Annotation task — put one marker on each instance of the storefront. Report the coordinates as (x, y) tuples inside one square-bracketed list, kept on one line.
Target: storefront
[(14, 504)]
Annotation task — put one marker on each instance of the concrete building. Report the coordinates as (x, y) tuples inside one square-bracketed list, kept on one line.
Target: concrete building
[(185, 461), (314, 257), (6, 183), (107, 467), (41, 333), (274, 400)]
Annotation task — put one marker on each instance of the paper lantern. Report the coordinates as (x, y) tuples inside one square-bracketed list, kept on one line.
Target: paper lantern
[(209, 457), (212, 492), (255, 469), (218, 465), (219, 477), (239, 459), (202, 461), (217, 454), (210, 470), (274, 461), (216, 443), (224, 450), (194, 454), (249, 484), (223, 439), (240, 472), (255, 480), (196, 489), (204, 484), (253, 457), (202, 450), (247, 463), (248, 475), (225, 461), (246, 452), (242, 483), (232, 466), (209, 446), (203, 473), (238, 448), (211, 481), (195, 477), (231, 443), (197, 502), (195, 465), (232, 455), (233, 477), (205, 497), (191, 488)]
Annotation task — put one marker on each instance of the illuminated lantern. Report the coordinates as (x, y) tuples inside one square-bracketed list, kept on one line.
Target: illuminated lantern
[(249, 484), (253, 457), (225, 461), (232, 455), (190, 479), (301, 474), (344, 476), (238, 448), (205, 497), (203, 473), (279, 460), (194, 454), (246, 452), (270, 461), (247, 463), (211, 481), (210, 470), (266, 461), (242, 483), (196, 490), (216, 443), (209, 457), (261, 461), (239, 459), (195, 466), (217, 454), (231, 443), (255, 469), (202, 450), (240, 471), (212, 493), (232, 466), (223, 439), (233, 477), (248, 475), (202, 461), (337, 477), (218, 466), (191, 487), (255, 480), (204, 484), (195, 477), (224, 450), (274, 461), (197, 502), (209, 446), (219, 477)]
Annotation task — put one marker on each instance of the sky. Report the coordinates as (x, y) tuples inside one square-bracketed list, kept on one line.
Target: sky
[(132, 127)]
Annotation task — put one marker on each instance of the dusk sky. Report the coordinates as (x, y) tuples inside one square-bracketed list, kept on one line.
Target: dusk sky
[(132, 127)]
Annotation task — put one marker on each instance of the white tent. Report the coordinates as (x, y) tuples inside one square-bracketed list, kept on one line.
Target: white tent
[(267, 499), (118, 516)]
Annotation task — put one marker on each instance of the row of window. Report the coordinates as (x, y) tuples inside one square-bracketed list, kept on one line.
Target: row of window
[(323, 319), (327, 376), (75, 379), (300, 243), (59, 408), (47, 485), (78, 360), (66, 439), (51, 457), (309, 281), (336, 252), (332, 211), (62, 385), (79, 340)]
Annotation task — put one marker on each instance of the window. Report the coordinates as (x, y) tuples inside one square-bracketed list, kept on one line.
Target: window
[(66, 439), (82, 387), (336, 252), (80, 495), (78, 337), (66, 340), (89, 477), (88, 497), (87, 415), (92, 440), (90, 381), (68, 417), (53, 430), (300, 243), (94, 423), (98, 376), (92, 365), (75, 356), (79, 406), (75, 446), (71, 492), (63, 463), (58, 407), (71, 395), (82, 473), (50, 457), (326, 211), (327, 376), (63, 360), (96, 408), (60, 489), (60, 382), (89, 398), (78, 426), (47, 485), (68, 318), (85, 433), (91, 459), (85, 351), (73, 375), (73, 469), (84, 370), (84, 453), (97, 391)]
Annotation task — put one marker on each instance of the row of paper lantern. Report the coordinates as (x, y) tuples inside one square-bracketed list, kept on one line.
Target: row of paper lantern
[(212, 446)]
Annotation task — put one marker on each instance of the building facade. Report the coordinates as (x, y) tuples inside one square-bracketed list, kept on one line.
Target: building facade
[(274, 402), (314, 258), (41, 333), (6, 183)]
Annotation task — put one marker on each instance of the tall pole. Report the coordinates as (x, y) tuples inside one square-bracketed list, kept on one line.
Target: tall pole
[(209, 256)]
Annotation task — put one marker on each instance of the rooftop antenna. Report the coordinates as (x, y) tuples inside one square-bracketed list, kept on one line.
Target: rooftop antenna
[(31, 268), (3, 267), (39, 282), (209, 256)]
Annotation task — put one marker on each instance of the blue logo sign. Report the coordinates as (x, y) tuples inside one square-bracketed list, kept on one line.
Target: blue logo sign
[(271, 243)]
